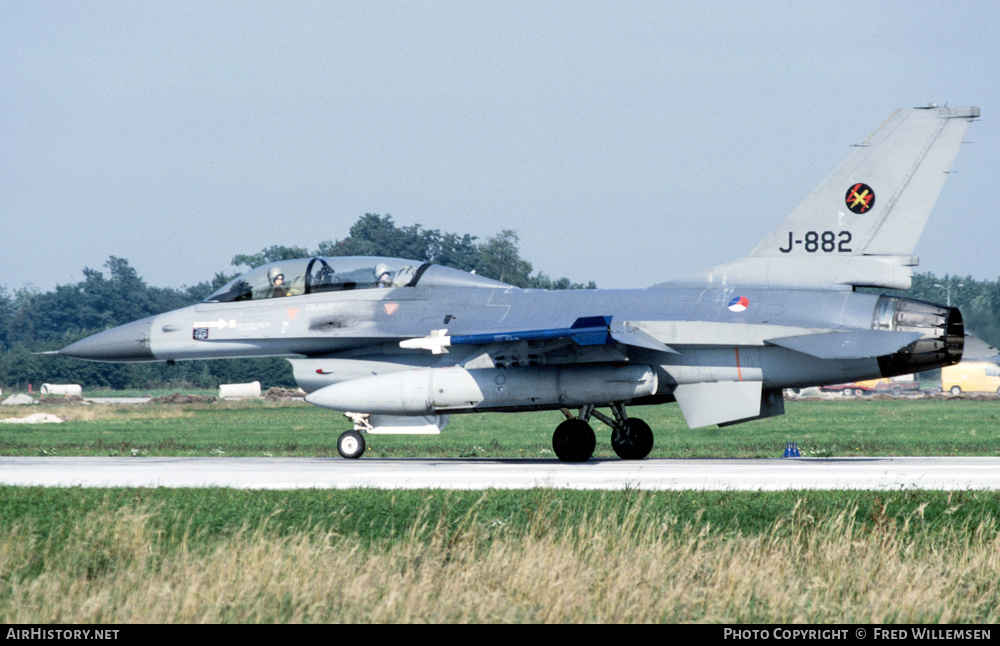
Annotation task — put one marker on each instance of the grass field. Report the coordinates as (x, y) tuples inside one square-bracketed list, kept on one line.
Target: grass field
[(220, 555), (260, 428), (123, 556)]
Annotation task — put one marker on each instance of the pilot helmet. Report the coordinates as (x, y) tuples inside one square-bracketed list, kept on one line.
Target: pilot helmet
[(274, 273), (381, 269)]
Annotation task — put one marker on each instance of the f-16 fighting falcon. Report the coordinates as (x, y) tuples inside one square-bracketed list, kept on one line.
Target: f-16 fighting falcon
[(401, 345)]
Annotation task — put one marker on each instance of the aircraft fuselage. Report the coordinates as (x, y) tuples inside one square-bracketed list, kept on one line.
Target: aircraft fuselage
[(412, 342), (338, 336)]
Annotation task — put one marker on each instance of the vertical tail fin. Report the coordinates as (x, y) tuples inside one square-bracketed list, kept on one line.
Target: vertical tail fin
[(860, 226)]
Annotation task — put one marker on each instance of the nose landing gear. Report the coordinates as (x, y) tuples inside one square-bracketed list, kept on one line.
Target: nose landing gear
[(351, 444)]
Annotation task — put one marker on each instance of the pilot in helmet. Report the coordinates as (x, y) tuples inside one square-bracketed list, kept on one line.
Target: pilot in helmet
[(382, 276), (277, 280)]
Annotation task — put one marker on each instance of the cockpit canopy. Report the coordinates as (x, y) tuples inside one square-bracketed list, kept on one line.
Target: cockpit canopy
[(332, 274)]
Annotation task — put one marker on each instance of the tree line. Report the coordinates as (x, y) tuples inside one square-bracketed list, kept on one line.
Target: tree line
[(32, 321)]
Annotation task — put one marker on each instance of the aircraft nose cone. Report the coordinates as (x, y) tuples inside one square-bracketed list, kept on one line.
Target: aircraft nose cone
[(129, 342)]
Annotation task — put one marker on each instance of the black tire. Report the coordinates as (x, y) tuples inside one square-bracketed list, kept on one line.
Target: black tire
[(956, 391), (897, 391), (633, 441), (351, 445), (574, 441)]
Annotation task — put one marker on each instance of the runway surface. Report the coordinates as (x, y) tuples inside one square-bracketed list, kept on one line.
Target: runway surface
[(966, 473)]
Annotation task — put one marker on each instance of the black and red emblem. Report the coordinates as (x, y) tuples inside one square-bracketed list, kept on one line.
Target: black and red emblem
[(860, 198)]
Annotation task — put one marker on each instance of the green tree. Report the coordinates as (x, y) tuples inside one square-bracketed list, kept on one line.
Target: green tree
[(459, 252), (94, 304), (273, 253), (6, 316), (541, 281), (500, 259), (378, 235)]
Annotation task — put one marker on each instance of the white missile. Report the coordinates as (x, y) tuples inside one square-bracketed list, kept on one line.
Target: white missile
[(437, 342)]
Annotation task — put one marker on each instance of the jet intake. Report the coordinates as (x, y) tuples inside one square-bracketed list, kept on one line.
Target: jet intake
[(434, 390), (943, 333)]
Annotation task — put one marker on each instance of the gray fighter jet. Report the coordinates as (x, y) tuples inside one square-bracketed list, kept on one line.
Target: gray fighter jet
[(400, 344)]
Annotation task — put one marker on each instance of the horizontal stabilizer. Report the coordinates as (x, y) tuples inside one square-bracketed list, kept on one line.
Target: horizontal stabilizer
[(857, 344), (978, 350), (708, 403)]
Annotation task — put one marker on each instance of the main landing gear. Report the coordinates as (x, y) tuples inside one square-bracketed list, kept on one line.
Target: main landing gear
[(574, 440)]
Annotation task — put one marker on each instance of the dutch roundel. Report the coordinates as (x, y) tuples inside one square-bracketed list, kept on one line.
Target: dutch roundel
[(739, 304)]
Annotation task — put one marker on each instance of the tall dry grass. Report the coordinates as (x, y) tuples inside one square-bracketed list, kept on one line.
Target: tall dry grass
[(114, 567)]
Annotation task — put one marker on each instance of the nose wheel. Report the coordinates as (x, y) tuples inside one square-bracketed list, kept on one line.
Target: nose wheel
[(351, 444), (573, 440)]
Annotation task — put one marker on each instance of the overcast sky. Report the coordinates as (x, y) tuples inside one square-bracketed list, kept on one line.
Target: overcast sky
[(626, 142)]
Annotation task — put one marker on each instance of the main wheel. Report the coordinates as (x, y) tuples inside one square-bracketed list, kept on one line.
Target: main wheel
[(633, 440), (955, 390), (351, 444), (574, 441)]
